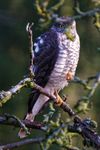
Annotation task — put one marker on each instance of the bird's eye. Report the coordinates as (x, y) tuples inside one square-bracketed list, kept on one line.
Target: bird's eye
[(61, 26)]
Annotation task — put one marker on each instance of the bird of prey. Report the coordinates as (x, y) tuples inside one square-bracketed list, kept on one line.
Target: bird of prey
[(56, 55)]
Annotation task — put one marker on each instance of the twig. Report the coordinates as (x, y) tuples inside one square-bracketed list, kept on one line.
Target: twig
[(94, 13), (87, 14), (13, 122), (95, 85), (57, 6), (30, 33), (43, 11), (21, 124), (85, 100), (82, 14), (85, 83), (72, 148), (7, 95), (77, 8), (21, 143)]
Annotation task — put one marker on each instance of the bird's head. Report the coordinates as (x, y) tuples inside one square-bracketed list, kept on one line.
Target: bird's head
[(66, 25)]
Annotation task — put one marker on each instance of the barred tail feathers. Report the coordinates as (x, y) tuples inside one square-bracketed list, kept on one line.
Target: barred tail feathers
[(39, 100), (36, 102)]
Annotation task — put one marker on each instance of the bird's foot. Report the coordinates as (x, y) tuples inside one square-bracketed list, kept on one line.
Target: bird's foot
[(29, 117), (59, 100), (69, 76), (22, 133)]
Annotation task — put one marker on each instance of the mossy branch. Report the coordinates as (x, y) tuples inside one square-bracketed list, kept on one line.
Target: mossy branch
[(88, 13), (95, 13), (7, 95), (21, 143), (48, 14), (56, 134), (12, 121), (29, 83), (83, 103)]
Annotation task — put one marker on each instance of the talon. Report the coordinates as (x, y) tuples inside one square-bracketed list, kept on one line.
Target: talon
[(69, 76), (30, 117), (59, 100)]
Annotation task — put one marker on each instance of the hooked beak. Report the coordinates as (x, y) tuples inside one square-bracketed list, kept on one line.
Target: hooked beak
[(69, 34), (67, 29)]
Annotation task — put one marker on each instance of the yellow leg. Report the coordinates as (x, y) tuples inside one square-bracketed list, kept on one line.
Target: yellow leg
[(59, 100), (69, 76)]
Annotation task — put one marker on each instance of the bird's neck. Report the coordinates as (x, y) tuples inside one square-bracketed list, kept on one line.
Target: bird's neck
[(70, 35)]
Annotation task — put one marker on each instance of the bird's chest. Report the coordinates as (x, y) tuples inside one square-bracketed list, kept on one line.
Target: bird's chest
[(58, 75)]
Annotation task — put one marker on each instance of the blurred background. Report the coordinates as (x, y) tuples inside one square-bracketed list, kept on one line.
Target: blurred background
[(14, 59)]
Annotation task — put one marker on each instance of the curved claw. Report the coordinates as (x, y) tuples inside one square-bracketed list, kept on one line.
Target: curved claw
[(69, 76), (59, 100)]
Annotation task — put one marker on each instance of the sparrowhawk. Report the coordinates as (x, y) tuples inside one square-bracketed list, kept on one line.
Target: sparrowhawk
[(56, 55)]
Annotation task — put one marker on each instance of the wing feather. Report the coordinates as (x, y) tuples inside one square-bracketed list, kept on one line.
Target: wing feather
[(45, 55)]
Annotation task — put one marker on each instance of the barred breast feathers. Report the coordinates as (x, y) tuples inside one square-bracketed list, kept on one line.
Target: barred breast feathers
[(67, 60), (74, 51)]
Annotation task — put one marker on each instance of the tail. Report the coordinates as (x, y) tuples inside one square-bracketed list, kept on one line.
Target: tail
[(36, 102)]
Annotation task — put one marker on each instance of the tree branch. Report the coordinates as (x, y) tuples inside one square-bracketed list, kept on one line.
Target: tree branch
[(94, 12), (87, 14), (30, 34), (4, 120), (28, 82), (7, 95), (83, 103), (77, 7), (21, 143), (82, 127)]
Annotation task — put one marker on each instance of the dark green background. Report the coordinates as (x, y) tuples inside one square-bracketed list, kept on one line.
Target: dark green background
[(14, 58)]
